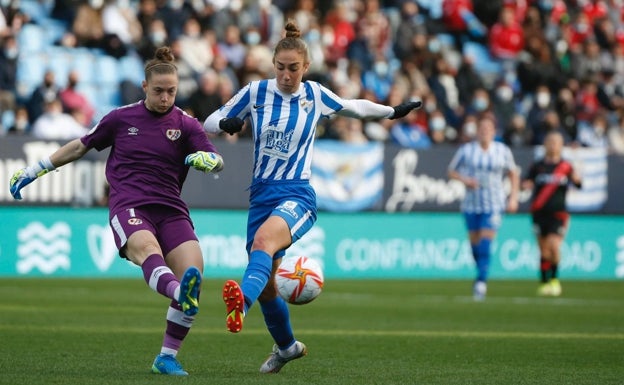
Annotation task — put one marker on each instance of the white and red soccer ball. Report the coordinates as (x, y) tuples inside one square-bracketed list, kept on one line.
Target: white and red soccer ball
[(299, 280)]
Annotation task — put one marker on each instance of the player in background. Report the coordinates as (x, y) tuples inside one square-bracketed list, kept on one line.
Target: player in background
[(283, 112), (481, 166), (549, 178), (152, 144)]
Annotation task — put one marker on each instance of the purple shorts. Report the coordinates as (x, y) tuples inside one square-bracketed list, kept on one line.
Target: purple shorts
[(170, 226)]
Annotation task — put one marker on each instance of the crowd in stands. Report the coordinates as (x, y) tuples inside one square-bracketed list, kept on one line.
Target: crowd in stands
[(537, 65)]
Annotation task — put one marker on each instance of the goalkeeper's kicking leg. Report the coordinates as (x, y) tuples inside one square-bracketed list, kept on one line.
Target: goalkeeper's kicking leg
[(177, 275)]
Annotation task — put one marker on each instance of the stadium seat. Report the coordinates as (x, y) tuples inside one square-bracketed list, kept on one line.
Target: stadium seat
[(107, 70), (484, 64), (37, 10), (83, 62), (131, 69), (31, 39), (30, 71), (109, 95), (8, 119), (60, 65)]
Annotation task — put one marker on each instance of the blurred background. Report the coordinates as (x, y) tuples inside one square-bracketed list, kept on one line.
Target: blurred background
[(537, 65)]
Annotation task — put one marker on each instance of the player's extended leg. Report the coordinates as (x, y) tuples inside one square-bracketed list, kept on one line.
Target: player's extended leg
[(277, 320), (186, 260), (273, 235)]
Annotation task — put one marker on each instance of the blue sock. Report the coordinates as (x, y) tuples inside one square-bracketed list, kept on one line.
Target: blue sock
[(475, 251), (483, 259), (277, 320), (256, 276)]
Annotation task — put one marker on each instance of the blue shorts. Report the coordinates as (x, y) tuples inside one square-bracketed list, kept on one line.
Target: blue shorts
[(482, 221), (294, 201), (170, 226)]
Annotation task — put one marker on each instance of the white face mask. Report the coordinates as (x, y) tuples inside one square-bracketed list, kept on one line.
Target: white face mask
[(470, 129), (381, 68), (543, 99), (438, 123), (504, 93), (253, 38)]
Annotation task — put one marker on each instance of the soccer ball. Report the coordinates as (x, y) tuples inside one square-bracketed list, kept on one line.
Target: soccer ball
[(299, 280)]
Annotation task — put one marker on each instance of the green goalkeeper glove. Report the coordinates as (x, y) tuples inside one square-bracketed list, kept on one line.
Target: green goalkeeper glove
[(205, 161)]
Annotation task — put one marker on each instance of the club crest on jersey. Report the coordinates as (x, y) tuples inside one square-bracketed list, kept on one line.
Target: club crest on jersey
[(135, 221), (174, 134), (306, 104)]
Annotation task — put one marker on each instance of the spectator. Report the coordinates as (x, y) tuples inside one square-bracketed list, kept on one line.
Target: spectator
[(444, 87), (542, 103), (120, 21), (8, 73), (232, 47), (54, 124), (342, 32), (379, 79), (517, 134), (20, 125), (195, 48), (88, 26), (587, 103), (48, 90), (187, 78), (506, 37), (616, 136), (565, 106), (412, 24), (155, 36), (75, 102), (503, 105), (468, 80), (175, 13), (265, 18), (206, 99), (594, 132)]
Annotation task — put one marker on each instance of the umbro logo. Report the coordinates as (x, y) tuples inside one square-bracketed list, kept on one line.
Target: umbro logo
[(133, 131), (257, 106)]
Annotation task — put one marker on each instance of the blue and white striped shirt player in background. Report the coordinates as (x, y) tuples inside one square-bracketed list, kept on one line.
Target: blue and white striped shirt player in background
[(481, 166), (283, 113)]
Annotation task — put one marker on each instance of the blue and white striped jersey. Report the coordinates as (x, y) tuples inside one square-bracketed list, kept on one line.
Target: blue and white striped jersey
[(489, 168), (284, 125)]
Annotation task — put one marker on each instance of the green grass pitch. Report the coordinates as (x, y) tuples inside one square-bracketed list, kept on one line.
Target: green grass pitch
[(75, 331)]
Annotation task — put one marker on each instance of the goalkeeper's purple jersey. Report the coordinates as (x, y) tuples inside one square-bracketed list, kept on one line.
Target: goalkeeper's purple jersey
[(146, 160)]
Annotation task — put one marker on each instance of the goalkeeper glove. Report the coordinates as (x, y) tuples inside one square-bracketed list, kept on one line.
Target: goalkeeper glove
[(231, 125), (25, 176), (405, 108), (204, 161)]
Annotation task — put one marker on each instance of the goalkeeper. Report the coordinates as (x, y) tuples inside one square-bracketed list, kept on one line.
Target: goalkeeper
[(152, 144)]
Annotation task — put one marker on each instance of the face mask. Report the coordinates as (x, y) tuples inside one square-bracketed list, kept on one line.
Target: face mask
[(437, 123), (381, 68), (480, 104), (434, 45), (328, 38), (470, 129), (21, 124), (253, 38), (582, 27), (504, 93), (314, 36), (158, 37), (11, 53), (543, 99)]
